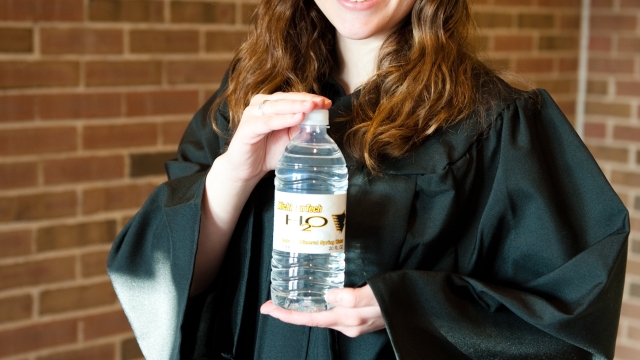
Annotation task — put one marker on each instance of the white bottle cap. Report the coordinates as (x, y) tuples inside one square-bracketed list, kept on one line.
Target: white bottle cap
[(317, 117)]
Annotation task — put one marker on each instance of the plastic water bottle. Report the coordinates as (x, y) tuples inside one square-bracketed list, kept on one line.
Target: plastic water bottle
[(309, 218)]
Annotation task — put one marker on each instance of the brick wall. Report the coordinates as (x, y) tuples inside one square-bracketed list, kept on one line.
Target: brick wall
[(94, 95), (535, 41), (612, 132)]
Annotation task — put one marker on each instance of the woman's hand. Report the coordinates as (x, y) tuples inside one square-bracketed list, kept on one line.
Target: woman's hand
[(356, 312), (266, 127)]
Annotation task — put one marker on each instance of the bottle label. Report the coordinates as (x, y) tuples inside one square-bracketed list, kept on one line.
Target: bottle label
[(309, 223)]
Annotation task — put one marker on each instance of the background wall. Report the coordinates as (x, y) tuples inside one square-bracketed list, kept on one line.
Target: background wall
[(94, 95)]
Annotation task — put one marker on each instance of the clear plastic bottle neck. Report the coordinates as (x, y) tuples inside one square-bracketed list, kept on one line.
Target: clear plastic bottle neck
[(312, 131)]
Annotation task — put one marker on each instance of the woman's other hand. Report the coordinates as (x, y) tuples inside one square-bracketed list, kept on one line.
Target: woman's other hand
[(266, 127), (356, 312)]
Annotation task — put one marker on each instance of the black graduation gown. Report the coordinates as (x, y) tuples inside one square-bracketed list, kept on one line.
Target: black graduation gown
[(502, 241)]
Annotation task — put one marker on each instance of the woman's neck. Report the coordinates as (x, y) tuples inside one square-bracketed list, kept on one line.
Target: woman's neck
[(356, 61)]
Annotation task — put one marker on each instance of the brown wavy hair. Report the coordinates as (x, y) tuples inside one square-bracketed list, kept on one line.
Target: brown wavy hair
[(427, 75)]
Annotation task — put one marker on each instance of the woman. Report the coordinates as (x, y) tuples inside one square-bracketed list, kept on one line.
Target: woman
[(479, 225)]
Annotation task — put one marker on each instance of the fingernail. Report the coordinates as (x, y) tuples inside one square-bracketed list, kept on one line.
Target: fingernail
[(332, 297)]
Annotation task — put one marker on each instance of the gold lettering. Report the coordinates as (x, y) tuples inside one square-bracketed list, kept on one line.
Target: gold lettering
[(311, 209), (285, 207)]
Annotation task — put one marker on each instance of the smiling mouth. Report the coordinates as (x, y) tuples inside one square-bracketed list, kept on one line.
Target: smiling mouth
[(358, 0)]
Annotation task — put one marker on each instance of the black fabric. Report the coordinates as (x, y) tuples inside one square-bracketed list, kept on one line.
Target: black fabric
[(496, 239)]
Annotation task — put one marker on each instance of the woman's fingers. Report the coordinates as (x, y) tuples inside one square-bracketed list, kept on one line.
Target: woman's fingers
[(287, 103), (266, 126), (356, 313), (255, 128), (257, 99), (352, 298), (288, 106)]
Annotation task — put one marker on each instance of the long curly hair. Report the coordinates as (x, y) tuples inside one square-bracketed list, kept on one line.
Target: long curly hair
[(427, 74)]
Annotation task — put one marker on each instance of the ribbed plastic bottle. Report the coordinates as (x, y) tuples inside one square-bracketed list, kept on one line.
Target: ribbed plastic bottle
[(309, 218)]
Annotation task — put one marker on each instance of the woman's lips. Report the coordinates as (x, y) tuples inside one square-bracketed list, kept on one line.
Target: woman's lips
[(358, 5)]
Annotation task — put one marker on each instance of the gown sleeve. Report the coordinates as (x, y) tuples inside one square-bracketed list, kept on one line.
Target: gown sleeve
[(539, 248), (151, 261)]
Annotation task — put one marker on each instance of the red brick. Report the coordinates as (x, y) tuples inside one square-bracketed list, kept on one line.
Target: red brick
[(536, 21), (80, 106), (611, 66), (38, 336), (630, 310), (16, 308), (109, 73), (18, 175), (600, 4), (94, 264), (480, 43), (595, 130), (631, 88), (568, 65), (196, 72), (570, 22), (630, 4), (634, 333), (633, 267), (162, 103), (575, 4), (36, 273), (625, 178), (627, 353), (89, 168), (126, 10), (130, 350), (76, 298), (38, 141), (630, 45), (600, 43), (202, 12), (613, 22), (104, 325), (41, 10), (568, 108), (597, 87), (608, 153), (81, 41), (493, 20), (22, 74), (608, 109), (37, 206), (534, 65), (224, 41), (513, 43), (249, 9), (75, 236), (15, 243), (120, 136), (116, 198), (99, 352), (17, 107), (626, 133), (172, 131), (164, 41), (558, 43), (16, 40), (559, 86)]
